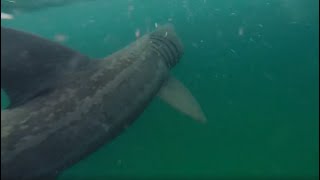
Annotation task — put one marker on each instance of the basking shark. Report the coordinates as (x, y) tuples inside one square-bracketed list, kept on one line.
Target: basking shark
[(65, 105)]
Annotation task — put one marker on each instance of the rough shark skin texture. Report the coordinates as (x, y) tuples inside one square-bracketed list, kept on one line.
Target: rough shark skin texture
[(74, 105)]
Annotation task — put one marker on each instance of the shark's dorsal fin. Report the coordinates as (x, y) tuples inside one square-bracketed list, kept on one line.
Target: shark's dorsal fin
[(30, 64), (179, 97)]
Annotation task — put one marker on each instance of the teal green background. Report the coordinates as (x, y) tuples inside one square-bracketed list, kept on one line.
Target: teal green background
[(259, 90)]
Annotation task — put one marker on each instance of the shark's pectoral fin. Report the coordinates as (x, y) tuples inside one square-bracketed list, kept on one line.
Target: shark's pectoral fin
[(179, 97)]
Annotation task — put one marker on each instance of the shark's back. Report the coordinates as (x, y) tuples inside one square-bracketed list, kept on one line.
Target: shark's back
[(30, 64)]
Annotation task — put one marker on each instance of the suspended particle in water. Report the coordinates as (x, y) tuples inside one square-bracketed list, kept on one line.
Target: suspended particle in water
[(240, 31), (185, 4), (251, 40), (293, 22), (233, 51), (233, 14), (107, 38), (130, 8), (266, 44), (268, 76), (119, 162), (219, 33), (155, 24), (137, 33), (6, 16), (195, 45), (60, 38), (11, 1)]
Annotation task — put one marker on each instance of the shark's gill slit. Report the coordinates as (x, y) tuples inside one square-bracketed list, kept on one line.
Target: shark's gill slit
[(167, 47), (156, 51), (168, 43), (158, 45)]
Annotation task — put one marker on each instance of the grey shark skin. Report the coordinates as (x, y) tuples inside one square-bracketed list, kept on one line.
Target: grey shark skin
[(31, 64), (63, 116)]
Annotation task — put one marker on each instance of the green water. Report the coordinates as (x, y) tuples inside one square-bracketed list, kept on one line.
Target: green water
[(252, 65)]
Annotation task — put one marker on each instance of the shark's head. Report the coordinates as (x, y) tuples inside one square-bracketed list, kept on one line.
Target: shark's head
[(165, 42)]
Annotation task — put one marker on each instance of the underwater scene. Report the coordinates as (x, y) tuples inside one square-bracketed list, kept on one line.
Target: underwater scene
[(241, 100)]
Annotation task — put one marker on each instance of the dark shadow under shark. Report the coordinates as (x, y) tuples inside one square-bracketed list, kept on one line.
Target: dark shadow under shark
[(65, 105)]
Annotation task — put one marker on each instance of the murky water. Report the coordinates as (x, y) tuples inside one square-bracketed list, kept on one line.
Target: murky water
[(252, 65)]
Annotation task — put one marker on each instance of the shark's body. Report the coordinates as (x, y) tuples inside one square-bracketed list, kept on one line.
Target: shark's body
[(65, 106)]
